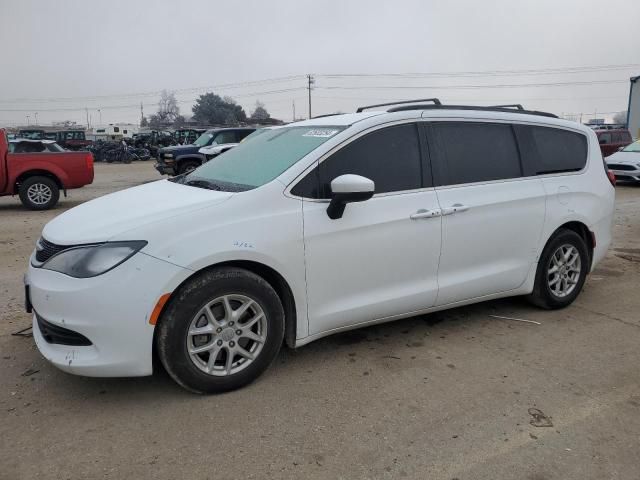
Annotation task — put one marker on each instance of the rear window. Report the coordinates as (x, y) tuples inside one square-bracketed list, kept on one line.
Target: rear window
[(468, 152), (552, 150)]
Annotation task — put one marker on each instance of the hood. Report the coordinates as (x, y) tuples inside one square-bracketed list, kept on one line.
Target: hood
[(105, 217), (213, 149), (624, 157), (178, 149)]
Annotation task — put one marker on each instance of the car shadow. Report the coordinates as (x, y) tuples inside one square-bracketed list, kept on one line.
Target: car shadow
[(292, 366)]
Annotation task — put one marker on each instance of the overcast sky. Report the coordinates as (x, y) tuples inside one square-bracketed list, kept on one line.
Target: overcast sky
[(60, 57)]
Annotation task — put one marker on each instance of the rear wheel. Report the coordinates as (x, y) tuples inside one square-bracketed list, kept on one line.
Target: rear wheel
[(221, 331), (562, 271), (39, 193)]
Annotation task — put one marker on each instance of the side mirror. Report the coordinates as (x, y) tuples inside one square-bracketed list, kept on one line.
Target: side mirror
[(346, 189)]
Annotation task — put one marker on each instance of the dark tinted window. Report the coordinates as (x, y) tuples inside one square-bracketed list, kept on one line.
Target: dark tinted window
[(551, 150), (604, 138), (467, 152), (389, 156)]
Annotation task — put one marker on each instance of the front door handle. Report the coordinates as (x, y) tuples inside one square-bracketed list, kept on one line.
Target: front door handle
[(455, 208), (422, 213)]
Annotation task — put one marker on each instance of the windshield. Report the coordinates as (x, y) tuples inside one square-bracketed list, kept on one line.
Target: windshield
[(634, 147), (263, 157), (203, 139)]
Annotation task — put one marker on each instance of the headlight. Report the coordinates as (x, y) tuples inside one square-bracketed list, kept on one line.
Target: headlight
[(92, 260), (168, 155)]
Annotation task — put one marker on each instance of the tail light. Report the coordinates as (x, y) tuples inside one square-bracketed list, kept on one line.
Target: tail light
[(612, 177), (89, 159)]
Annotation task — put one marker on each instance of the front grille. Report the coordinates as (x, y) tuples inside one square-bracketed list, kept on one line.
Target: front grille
[(61, 336), (45, 250), (618, 166)]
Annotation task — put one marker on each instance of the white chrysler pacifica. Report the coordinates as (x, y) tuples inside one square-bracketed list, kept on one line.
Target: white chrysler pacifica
[(317, 227)]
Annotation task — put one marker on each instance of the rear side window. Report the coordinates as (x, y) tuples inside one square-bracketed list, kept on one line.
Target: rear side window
[(552, 150), (468, 152)]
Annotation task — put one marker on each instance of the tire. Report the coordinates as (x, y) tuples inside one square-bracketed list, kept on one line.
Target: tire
[(200, 304), (39, 193), (560, 288), (188, 166)]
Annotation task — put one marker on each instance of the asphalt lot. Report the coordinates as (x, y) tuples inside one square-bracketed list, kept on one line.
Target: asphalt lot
[(452, 395)]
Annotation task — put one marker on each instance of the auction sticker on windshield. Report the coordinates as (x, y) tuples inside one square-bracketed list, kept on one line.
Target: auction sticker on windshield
[(321, 132)]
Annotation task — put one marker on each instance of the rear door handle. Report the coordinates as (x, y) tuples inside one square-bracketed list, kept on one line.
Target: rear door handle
[(455, 208), (422, 213)]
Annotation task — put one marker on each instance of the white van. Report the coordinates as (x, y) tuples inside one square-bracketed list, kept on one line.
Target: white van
[(318, 227)]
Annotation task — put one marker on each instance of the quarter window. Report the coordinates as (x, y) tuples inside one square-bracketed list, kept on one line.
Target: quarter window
[(552, 150), (468, 152)]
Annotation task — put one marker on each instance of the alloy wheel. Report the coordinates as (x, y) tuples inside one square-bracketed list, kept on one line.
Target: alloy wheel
[(227, 335), (563, 271)]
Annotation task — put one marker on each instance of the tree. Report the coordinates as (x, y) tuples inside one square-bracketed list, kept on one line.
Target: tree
[(144, 122), (260, 113), (620, 117), (212, 109)]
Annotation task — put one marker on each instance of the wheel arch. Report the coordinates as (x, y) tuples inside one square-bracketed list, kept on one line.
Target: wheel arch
[(190, 157), (271, 276), (582, 230), (35, 173)]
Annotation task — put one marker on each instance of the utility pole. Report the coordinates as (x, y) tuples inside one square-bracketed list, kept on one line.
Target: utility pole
[(100, 113), (28, 117), (36, 114), (141, 112), (86, 110), (310, 81), (294, 111)]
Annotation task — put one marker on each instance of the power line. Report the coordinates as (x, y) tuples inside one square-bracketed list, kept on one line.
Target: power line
[(223, 86), (490, 73), (131, 105), (466, 87)]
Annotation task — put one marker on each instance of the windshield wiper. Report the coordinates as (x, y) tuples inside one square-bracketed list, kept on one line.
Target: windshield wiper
[(202, 183)]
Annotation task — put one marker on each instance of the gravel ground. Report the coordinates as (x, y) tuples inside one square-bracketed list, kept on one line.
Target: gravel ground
[(452, 395)]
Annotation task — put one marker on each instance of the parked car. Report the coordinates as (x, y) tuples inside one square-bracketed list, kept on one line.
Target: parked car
[(72, 139), (31, 133), (611, 140), (186, 136), (37, 170), (625, 164), (318, 227), (185, 158)]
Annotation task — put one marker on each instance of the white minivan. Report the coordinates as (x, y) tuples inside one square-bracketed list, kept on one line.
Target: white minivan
[(318, 227)]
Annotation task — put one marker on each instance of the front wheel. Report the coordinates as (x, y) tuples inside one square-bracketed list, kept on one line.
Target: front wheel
[(562, 271), (221, 331), (39, 193)]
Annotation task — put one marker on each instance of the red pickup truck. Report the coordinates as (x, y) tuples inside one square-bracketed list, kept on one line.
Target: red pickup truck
[(38, 177)]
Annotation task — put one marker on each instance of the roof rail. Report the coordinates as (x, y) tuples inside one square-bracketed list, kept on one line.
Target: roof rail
[(471, 107), (517, 106), (326, 115), (435, 101)]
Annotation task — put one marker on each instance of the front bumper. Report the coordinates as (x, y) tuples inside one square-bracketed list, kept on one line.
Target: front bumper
[(111, 310), (630, 174)]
